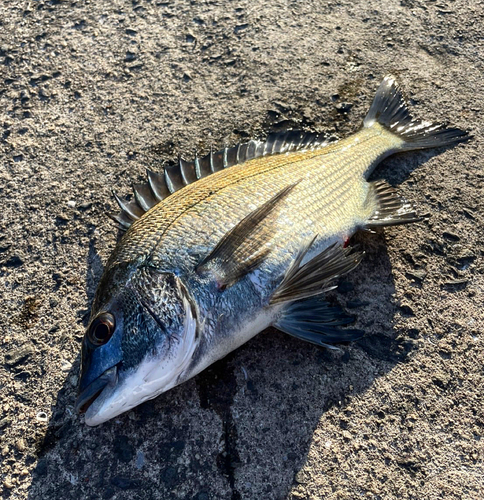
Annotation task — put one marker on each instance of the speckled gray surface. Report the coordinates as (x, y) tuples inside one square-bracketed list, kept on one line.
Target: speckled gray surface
[(92, 93)]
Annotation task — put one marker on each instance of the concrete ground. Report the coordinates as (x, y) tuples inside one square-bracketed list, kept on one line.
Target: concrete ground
[(92, 93)]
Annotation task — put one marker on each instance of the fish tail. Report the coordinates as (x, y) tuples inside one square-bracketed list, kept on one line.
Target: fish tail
[(390, 110)]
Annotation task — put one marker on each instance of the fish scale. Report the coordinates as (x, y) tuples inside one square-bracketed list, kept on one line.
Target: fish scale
[(332, 182), (218, 249)]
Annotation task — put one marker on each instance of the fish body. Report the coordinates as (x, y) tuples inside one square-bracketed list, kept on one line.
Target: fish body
[(231, 251)]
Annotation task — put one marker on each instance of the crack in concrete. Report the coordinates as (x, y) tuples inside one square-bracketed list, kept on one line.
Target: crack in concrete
[(217, 386)]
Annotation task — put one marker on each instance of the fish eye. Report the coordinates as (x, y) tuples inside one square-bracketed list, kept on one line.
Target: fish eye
[(101, 329)]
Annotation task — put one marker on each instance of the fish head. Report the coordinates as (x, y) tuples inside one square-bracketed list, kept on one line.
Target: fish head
[(139, 342)]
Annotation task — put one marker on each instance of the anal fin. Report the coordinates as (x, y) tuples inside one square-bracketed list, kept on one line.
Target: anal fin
[(315, 321), (392, 209)]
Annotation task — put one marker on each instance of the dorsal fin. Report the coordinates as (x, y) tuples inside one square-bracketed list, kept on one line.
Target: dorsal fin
[(175, 177)]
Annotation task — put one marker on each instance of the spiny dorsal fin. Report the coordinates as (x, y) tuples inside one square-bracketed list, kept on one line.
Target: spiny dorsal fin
[(175, 177), (313, 277), (243, 248), (392, 209)]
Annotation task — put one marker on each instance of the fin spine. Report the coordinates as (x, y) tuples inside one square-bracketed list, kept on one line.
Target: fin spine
[(392, 208), (175, 177), (314, 277)]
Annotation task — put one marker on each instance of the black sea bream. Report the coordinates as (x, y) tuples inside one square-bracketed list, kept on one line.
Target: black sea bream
[(218, 249)]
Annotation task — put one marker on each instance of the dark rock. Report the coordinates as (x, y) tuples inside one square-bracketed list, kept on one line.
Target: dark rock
[(41, 469), (170, 451), (62, 219), (14, 261), (352, 304), (130, 56), (24, 375), (123, 450), (344, 107), (125, 483), (417, 275), (465, 261), (345, 287), (450, 236), (201, 495), (240, 28), (18, 355), (413, 333), (108, 493), (406, 310), (455, 284), (169, 477), (5, 422), (85, 206)]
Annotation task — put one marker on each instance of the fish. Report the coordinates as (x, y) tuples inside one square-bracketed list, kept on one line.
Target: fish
[(218, 249)]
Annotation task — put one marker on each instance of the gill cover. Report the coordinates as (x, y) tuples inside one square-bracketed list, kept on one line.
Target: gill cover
[(152, 344)]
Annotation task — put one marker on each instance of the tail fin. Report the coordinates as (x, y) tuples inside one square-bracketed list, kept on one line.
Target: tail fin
[(390, 110)]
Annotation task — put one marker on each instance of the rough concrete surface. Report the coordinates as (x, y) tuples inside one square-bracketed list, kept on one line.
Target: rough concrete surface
[(92, 93)]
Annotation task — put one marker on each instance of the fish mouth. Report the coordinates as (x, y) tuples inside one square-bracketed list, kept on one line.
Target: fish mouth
[(87, 397)]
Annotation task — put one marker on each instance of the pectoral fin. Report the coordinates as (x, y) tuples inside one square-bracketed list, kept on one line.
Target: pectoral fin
[(315, 321), (313, 278), (243, 248)]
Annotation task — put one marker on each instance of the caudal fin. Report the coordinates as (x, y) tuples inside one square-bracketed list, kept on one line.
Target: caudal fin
[(389, 109)]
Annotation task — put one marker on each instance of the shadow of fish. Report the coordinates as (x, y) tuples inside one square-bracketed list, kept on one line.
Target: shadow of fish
[(218, 249)]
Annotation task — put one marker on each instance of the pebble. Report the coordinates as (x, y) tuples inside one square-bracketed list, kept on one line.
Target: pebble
[(65, 365), (4, 422), (301, 477), (62, 218), (418, 274), (85, 206), (42, 416), (71, 204), (456, 282), (406, 310), (18, 355), (8, 484), (14, 261), (450, 236), (20, 444), (344, 107), (140, 459)]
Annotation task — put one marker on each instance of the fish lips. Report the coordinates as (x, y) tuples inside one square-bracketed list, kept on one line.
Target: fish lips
[(91, 394)]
